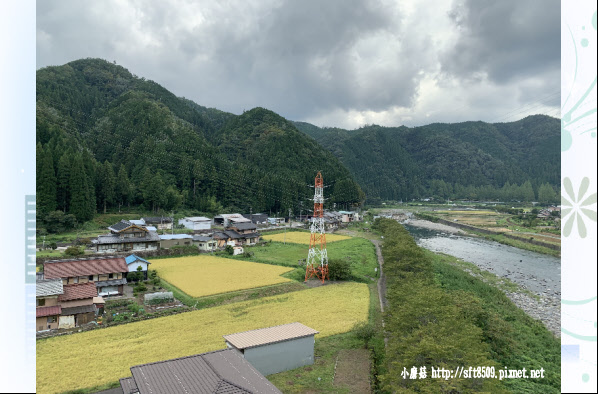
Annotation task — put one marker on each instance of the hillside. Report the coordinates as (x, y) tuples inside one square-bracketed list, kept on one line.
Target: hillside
[(107, 138), (462, 160)]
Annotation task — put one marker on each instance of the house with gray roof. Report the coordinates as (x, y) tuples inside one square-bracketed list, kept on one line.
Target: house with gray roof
[(126, 237), (205, 243), (161, 222), (170, 240), (47, 308), (221, 371)]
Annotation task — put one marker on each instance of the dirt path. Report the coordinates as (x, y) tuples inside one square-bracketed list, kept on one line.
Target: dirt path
[(382, 278), (352, 370)]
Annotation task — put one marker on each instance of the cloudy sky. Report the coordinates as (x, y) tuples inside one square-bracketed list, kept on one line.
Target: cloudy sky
[(341, 63)]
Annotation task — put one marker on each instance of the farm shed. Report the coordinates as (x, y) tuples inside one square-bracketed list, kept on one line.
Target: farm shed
[(275, 349), (222, 371), (196, 223), (170, 240)]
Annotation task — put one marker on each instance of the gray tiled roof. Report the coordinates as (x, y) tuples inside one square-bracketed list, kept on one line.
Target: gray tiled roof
[(244, 226), (112, 282), (157, 220), (115, 239), (48, 287), (201, 238), (222, 371)]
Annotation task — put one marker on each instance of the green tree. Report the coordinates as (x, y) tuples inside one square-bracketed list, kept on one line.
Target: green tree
[(80, 192), (107, 184), (122, 187), (527, 192), (63, 181), (46, 181), (546, 193)]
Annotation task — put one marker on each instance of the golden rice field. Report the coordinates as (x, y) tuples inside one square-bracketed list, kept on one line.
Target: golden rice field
[(98, 357), (300, 237), (200, 276)]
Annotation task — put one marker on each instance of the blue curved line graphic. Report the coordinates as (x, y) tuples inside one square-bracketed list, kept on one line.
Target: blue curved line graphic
[(580, 302), (577, 336), (574, 75)]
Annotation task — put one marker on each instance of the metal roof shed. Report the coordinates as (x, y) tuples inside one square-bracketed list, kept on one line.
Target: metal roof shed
[(275, 349)]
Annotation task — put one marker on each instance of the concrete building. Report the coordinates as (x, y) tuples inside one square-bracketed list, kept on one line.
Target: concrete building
[(170, 240), (196, 223), (134, 261), (275, 349)]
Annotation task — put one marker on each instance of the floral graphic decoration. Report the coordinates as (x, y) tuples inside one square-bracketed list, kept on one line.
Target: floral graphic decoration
[(577, 208)]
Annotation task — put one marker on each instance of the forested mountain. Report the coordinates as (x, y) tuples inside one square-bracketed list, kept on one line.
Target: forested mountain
[(509, 161), (107, 138)]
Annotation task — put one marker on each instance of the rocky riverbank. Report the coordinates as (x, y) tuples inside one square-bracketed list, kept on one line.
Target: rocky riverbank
[(547, 309), (433, 226)]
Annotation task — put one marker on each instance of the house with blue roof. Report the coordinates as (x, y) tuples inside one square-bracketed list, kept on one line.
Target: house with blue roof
[(134, 261)]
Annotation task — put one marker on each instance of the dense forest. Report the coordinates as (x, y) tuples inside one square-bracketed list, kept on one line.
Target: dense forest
[(472, 160), (107, 139)]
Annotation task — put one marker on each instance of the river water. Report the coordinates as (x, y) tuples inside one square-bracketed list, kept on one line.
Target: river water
[(536, 272)]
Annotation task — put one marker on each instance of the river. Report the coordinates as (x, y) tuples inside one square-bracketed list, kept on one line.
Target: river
[(536, 272)]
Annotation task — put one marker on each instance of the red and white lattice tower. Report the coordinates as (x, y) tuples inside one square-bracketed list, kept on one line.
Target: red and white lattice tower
[(317, 257)]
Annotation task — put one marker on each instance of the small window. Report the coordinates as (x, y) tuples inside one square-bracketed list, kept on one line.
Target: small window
[(110, 276), (90, 277), (41, 302), (51, 319)]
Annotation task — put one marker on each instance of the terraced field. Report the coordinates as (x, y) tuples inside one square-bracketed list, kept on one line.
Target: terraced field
[(202, 275), (98, 357), (302, 237)]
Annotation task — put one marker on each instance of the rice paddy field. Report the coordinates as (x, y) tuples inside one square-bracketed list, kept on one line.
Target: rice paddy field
[(98, 357), (201, 275), (302, 237)]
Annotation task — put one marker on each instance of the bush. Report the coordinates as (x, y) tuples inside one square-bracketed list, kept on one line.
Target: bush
[(73, 251), (229, 249), (339, 269), (364, 331), (153, 274), (139, 287), (134, 308), (156, 282)]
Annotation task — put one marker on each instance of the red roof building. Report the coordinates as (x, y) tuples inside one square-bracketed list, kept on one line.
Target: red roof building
[(78, 291), (84, 267)]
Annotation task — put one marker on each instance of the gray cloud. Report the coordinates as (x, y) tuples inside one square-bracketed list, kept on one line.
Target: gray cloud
[(505, 40), (333, 62)]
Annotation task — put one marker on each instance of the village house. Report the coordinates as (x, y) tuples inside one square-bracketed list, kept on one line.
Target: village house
[(205, 243), (125, 236), (47, 308), (243, 228), (107, 273), (276, 221), (135, 261), (196, 223), (221, 371), (77, 304), (160, 222), (227, 237), (170, 240)]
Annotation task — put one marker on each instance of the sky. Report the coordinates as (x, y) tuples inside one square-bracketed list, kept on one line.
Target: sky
[(335, 63)]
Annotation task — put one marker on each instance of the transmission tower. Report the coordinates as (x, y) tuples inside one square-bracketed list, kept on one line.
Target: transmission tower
[(317, 257)]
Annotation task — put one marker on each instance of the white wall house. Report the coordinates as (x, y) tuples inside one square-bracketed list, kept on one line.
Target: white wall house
[(196, 223)]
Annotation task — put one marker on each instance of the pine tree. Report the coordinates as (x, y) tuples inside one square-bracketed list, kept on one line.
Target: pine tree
[(80, 191), (107, 183), (46, 181), (63, 179), (122, 187)]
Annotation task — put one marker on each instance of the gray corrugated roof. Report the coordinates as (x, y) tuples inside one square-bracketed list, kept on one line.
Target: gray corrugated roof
[(115, 239), (222, 371), (48, 287), (113, 282), (263, 336), (157, 220), (234, 369), (128, 386)]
